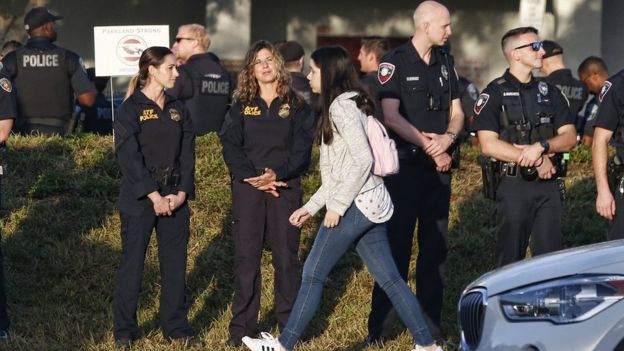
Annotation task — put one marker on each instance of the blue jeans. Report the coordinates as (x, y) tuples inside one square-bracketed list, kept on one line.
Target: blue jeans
[(372, 246)]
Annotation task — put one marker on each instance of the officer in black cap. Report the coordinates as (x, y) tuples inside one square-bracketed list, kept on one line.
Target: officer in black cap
[(520, 121), (46, 77), (293, 55), (558, 75), (7, 116), (610, 173), (420, 102), (204, 85)]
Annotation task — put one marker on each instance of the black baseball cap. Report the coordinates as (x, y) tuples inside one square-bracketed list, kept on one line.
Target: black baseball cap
[(38, 16), (291, 51), (551, 48)]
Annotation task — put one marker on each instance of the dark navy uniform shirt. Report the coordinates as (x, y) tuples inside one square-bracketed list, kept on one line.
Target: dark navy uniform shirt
[(301, 85), (206, 88), (573, 89), (526, 99), (586, 124), (7, 97), (256, 136), (611, 100), (423, 89), (46, 77), (98, 118), (148, 138), (371, 85)]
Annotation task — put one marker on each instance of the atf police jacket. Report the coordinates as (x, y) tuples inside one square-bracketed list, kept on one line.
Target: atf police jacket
[(256, 136), (148, 141), (425, 90), (206, 89), (506, 106), (46, 77)]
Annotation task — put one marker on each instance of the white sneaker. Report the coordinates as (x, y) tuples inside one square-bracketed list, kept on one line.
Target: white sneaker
[(266, 343), (422, 348)]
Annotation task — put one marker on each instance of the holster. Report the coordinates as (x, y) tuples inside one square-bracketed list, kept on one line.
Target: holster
[(490, 175), (615, 175)]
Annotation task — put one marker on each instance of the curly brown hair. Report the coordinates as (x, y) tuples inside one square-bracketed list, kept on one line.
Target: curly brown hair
[(248, 85)]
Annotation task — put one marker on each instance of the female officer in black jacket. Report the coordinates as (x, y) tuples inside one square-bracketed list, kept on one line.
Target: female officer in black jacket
[(267, 140), (154, 145)]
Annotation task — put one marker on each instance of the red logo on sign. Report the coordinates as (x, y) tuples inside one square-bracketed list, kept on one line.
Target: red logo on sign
[(130, 48)]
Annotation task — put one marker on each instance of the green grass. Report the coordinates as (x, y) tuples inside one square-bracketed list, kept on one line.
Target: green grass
[(61, 245)]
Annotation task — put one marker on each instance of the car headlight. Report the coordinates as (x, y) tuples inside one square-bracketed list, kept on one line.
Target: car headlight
[(566, 300)]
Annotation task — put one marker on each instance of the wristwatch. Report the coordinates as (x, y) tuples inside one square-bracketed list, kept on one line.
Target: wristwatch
[(544, 143)]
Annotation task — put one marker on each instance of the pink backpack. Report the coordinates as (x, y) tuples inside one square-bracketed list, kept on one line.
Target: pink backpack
[(383, 148)]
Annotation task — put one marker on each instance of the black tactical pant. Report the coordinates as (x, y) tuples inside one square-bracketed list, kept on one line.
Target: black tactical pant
[(420, 194), (527, 209), (258, 217), (172, 234), (616, 229), (4, 317)]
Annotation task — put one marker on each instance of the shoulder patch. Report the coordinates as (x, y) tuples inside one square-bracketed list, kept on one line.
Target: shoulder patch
[(605, 88), (481, 102), (385, 72), (5, 84)]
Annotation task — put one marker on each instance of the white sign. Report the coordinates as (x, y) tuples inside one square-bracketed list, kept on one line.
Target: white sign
[(532, 13), (118, 48)]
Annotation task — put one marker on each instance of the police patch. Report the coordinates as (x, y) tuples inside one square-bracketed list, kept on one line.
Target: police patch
[(605, 88), (444, 72), (5, 84), (481, 102), (174, 115), (543, 88), (385, 72), (284, 111)]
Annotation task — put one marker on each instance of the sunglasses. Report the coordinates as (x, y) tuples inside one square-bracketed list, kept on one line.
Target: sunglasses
[(178, 40), (535, 46)]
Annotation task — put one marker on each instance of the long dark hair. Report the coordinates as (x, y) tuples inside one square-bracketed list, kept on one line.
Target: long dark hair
[(248, 84), (338, 75), (152, 56)]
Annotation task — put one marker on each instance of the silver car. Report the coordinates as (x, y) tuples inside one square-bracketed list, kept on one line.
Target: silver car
[(567, 300)]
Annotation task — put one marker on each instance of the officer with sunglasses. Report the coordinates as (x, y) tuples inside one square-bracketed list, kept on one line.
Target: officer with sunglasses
[(204, 85), (521, 122)]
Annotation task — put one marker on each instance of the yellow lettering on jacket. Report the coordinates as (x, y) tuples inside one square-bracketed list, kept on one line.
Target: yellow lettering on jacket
[(251, 111), (148, 113)]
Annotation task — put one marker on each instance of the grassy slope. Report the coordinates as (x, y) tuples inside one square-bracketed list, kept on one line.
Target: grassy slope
[(61, 244)]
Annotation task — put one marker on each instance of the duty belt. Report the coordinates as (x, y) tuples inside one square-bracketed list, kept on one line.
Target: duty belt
[(509, 169)]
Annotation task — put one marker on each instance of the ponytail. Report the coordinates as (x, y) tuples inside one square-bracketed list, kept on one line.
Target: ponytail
[(134, 85)]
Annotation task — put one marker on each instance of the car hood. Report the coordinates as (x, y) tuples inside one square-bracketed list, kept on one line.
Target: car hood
[(607, 257)]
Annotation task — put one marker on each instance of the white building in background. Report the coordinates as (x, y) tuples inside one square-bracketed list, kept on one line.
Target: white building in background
[(582, 27)]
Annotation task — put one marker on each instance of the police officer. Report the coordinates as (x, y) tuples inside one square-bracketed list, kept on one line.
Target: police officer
[(46, 77), (610, 125), (9, 46), (420, 102), (593, 72), (155, 149), (558, 75), (267, 140), (520, 121), (204, 85), (372, 49), (293, 55), (98, 118), (7, 116)]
